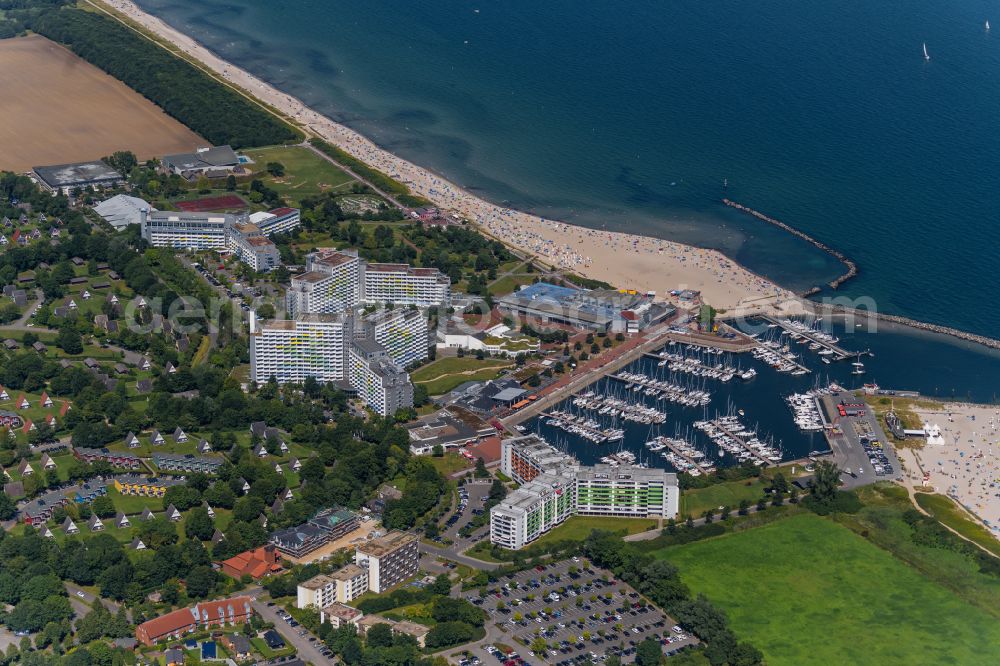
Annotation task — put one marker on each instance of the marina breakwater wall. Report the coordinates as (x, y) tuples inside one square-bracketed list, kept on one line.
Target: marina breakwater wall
[(992, 343), (852, 267)]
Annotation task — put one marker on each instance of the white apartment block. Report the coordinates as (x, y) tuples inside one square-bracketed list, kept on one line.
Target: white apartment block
[(331, 283), (312, 346), (402, 331), (402, 284), (389, 559), (342, 586), (383, 385), (185, 231), (626, 491), (317, 592), (277, 221), (249, 244), (532, 510), (555, 486)]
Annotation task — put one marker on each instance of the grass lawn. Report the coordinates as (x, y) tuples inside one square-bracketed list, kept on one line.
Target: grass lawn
[(806, 590), (134, 504), (944, 510), (306, 174), (579, 528), (260, 646), (509, 284), (450, 463), (695, 501), (444, 374)]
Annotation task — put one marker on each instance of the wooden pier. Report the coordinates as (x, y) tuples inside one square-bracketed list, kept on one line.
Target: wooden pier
[(839, 353)]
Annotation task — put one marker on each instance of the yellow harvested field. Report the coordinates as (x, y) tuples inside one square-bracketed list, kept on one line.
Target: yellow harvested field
[(57, 108)]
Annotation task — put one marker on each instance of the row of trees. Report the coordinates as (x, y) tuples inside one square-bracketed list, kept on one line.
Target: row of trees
[(660, 581), (212, 110)]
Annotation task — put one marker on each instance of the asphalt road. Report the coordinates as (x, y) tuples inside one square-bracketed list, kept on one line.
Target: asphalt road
[(79, 595), (451, 554), (307, 650)]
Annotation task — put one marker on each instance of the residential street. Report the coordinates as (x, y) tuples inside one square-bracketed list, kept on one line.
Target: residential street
[(307, 650)]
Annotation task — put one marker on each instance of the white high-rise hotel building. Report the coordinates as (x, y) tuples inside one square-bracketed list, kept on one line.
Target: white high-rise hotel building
[(292, 350), (324, 338), (331, 283), (338, 279), (402, 331), (402, 284)]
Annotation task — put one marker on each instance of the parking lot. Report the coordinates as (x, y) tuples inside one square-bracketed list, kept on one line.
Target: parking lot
[(308, 646), (582, 613), (862, 450), (471, 498)]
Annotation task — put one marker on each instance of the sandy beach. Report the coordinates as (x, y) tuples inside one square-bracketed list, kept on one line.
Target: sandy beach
[(966, 465), (623, 260)]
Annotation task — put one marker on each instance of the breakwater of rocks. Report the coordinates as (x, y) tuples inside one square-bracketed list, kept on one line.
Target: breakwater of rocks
[(852, 268), (828, 308)]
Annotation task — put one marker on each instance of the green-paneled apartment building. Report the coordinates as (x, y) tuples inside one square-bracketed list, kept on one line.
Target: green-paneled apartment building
[(555, 486)]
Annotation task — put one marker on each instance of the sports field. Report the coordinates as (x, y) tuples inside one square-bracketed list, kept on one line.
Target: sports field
[(807, 591), (58, 108)]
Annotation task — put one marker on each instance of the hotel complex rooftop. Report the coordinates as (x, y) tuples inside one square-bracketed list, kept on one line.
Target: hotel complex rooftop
[(384, 545)]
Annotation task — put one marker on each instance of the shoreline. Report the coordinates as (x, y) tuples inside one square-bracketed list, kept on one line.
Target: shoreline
[(627, 261)]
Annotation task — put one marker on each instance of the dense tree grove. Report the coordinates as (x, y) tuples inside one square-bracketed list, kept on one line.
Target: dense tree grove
[(215, 112)]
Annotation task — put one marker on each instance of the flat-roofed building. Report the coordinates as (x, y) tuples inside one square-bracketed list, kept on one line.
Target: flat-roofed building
[(184, 230), (402, 284), (314, 345), (389, 559), (249, 244), (338, 615), (331, 283), (382, 384), (351, 582), (554, 486), (402, 331), (344, 585), (277, 221), (532, 510), (597, 310), (626, 491), (213, 161), (64, 178), (524, 458), (317, 592)]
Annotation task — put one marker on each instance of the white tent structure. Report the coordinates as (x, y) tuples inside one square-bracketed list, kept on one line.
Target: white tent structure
[(121, 210), (933, 434)]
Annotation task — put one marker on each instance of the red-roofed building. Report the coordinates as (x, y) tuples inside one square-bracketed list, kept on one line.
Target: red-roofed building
[(488, 449), (255, 563), (65, 408), (204, 615)]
